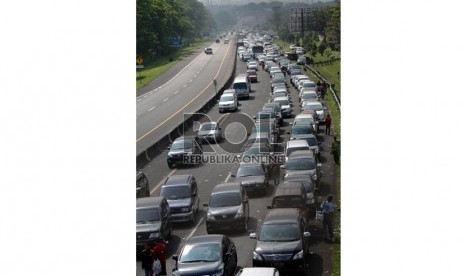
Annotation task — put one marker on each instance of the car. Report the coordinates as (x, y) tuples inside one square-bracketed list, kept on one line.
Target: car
[(309, 85), (254, 177), (185, 150), (256, 154), (311, 140), (301, 131), (319, 109), (286, 109), (302, 162), (258, 271), (206, 255), (301, 60), (142, 185), (228, 208), (217, 41), (294, 145), (182, 195), (208, 51), (291, 195), (258, 138), (310, 188), (252, 75), (252, 65), (209, 132), (227, 102), (153, 222), (269, 128), (266, 117), (308, 118), (246, 56), (226, 41), (282, 241), (309, 95), (276, 108)]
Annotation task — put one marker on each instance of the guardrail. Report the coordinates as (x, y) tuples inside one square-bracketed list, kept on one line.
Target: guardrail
[(326, 62), (159, 146), (330, 84)]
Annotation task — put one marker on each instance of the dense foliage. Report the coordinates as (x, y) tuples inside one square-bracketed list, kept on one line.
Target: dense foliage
[(160, 20)]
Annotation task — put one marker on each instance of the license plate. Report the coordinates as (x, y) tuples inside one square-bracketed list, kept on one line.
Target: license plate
[(277, 265)]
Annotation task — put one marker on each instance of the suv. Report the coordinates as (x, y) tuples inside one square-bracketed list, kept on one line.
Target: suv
[(228, 207), (293, 145), (142, 185), (302, 162), (254, 177), (152, 220), (184, 150), (209, 51), (310, 188), (181, 193), (282, 241)]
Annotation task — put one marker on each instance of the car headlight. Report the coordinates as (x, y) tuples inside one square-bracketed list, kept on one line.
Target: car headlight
[(239, 213), (298, 255), (210, 216), (186, 209), (257, 256), (220, 271), (154, 235), (170, 154)]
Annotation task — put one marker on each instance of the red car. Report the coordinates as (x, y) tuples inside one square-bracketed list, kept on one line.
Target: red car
[(252, 75)]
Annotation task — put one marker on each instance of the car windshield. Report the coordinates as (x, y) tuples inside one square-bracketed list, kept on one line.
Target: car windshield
[(256, 150), (309, 84), (250, 171), (313, 105), (291, 150), (200, 253), (301, 130), (280, 94), (306, 96), (264, 115), (240, 85), (282, 101), (208, 126), (308, 184), (304, 120), (311, 141), (293, 201), (301, 164), (182, 144), (147, 215), (175, 192), (225, 199), (227, 98), (279, 232)]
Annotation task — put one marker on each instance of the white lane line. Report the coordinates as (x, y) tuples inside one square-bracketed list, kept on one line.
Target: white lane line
[(165, 100), (152, 108), (139, 100), (185, 85), (195, 228), (176, 92), (161, 182), (227, 178), (195, 76), (190, 81)]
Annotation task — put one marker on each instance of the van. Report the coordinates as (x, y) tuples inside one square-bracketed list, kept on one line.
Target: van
[(182, 195), (242, 86), (294, 145)]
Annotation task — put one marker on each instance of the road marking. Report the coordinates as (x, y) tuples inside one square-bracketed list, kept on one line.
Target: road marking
[(190, 81), (165, 100), (184, 85), (195, 228), (152, 108), (227, 178), (161, 182), (191, 101), (176, 92)]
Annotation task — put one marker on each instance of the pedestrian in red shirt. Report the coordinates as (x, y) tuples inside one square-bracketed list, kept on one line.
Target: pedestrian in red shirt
[(328, 124), (159, 250)]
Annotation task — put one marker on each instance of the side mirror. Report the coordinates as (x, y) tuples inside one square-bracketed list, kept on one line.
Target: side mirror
[(205, 205), (254, 117), (167, 148), (220, 129), (233, 175), (307, 234), (288, 132), (175, 257), (253, 235), (319, 143)]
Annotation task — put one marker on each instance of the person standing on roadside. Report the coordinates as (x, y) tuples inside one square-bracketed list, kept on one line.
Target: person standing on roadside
[(328, 121), (327, 208), (147, 260), (336, 150), (156, 267), (159, 252)]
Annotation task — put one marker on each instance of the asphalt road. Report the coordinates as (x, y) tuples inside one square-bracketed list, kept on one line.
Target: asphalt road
[(162, 109), (208, 175)]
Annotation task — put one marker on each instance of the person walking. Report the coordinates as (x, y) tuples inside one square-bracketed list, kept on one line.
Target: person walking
[(328, 121), (159, 252), (336, 150), (327, 208), (147, 260), (156, 267)]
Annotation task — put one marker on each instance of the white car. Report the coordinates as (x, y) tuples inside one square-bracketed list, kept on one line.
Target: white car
[(227, 102), (309, 96), (286, 109), (319, 109), (252, 65)]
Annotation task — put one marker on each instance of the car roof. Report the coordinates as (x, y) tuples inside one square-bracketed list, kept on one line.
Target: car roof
[(257, 271), (226, 188), (176, 180), (230, 91), (281, 98), (282, 215), (257, 135), (289, 188), (301, 153), (185, 138), (216, 238), (296, 143), (149, 202)]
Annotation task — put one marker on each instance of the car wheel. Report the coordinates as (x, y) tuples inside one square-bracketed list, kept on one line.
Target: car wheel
[(193, 218), (170, 165), (246, 225)]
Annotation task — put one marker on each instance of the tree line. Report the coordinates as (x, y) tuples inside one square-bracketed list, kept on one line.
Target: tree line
[(159, 20)]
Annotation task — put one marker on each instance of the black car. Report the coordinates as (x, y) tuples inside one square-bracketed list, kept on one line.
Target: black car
[(228, 208), (184, 150), (282, 241), (254, 177), (152, 220), (182, 195), (207, 255), (142, 185)]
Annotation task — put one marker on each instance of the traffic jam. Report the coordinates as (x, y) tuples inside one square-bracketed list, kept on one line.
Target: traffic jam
[(280, 159)]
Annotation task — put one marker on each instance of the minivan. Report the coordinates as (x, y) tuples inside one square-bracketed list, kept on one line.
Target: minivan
[(294, 145), (182, 195), (242, 86), (290, 194)]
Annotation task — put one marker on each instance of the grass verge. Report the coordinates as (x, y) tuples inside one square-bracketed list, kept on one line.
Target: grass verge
[(156, 68)]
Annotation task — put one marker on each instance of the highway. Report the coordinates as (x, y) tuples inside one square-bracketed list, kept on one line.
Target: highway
[(208, 175), (161, 110)]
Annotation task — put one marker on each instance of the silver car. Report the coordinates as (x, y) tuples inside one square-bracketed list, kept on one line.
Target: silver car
[(210, 132), (227, 102)]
